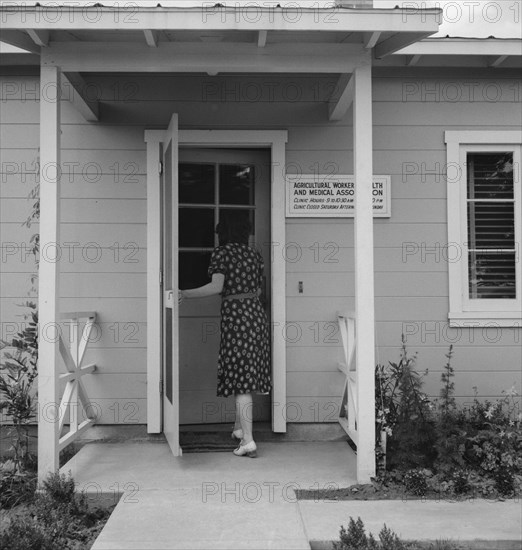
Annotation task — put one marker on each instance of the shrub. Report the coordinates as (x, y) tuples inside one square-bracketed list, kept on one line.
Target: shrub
[(460, 480), (60, 518), (416, 481), (60, 488), (26, 533), (355, 538)]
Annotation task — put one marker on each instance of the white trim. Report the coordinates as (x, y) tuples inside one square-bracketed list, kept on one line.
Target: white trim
[(462, 308), (491, 319), (170, 287), (292, 18), (464, 46), (276, 141), (153, 139), (470, 137)]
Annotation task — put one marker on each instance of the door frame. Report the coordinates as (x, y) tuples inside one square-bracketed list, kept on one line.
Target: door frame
[(275, 141)]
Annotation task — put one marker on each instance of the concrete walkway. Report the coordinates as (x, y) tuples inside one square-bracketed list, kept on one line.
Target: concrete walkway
[(217, 500), (208, 500)]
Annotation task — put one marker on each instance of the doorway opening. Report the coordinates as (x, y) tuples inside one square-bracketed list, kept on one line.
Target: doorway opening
[(211, 184)]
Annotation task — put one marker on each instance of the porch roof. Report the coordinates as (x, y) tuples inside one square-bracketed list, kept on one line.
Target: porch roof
[(36, 28)]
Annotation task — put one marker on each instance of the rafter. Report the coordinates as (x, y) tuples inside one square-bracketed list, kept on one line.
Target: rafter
[(19, 39), (261, 39), (344, 89), (395, 43), (370, 39), (151, 37), (76, 87), (413, 60), (39, 37), (498, 61)]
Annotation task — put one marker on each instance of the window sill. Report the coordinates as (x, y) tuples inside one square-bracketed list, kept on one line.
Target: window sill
[(479, 319)]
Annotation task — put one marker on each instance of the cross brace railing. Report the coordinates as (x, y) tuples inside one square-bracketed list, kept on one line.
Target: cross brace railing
[(348, 410), (74, 399)]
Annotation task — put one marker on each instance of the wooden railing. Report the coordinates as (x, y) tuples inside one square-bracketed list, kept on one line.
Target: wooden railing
[(348, 410), (75, 400)]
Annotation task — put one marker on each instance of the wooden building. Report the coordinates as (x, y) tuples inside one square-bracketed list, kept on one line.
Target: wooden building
[(144, 125)]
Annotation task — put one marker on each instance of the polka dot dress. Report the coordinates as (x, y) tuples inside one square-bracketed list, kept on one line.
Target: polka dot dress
[(244, 352)]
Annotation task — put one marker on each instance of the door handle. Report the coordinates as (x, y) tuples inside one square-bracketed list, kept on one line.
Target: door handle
[(169, 298)]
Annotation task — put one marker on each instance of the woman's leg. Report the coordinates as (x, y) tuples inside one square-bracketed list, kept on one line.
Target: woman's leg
[(244, 414), (237, 423)]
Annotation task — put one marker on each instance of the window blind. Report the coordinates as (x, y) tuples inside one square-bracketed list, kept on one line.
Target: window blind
[(491, 226)]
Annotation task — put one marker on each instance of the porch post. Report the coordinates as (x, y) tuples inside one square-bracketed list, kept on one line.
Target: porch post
[(364, 286), (49, 272)]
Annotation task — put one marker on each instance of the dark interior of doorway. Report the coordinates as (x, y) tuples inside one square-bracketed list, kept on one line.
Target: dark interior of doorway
[(195, 169)]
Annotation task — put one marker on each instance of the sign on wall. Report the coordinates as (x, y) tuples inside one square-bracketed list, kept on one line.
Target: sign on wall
[(331, 196)]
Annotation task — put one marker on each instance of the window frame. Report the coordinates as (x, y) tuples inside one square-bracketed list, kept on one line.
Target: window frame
[(465, 311)]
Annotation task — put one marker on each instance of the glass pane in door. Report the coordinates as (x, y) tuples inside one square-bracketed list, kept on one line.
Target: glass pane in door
[(196, 183), (196, 227), (193, 269), (236, 184)]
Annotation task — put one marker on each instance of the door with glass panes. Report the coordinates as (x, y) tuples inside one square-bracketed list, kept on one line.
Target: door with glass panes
[(212, 183)]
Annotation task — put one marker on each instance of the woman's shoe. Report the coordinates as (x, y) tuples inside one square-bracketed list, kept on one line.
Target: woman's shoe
[(237, 434), (250, 450)]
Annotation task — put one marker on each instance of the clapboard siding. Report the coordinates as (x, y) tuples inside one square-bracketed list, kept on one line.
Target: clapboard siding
[(104, 214), (468, 357), (332, 284)]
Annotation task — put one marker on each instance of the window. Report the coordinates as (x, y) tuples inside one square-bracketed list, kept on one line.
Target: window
[(207, 193), (484, 225)]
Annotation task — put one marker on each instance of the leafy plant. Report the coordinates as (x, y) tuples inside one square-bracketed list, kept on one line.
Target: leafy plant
[(16, 486), (403, 412), (18, 371), (450, 443), (34, 241)]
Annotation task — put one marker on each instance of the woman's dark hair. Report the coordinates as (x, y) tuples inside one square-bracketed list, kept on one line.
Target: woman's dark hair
[(234, 227)]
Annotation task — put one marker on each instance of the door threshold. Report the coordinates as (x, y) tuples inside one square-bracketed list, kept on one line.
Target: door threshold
[(221, 427)]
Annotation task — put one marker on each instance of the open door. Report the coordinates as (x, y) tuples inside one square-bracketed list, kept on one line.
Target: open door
[(170, 288)]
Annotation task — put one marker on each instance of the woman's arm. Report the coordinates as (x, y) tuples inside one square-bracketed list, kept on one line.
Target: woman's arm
[(211, 289)]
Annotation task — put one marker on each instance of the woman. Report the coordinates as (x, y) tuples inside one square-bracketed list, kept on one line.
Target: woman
[(236, 272)]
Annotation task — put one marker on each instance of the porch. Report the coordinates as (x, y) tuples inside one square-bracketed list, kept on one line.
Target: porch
[(207, 500), (190, 45)]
